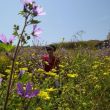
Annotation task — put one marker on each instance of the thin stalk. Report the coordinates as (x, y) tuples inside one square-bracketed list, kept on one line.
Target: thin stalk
[(13, 63)]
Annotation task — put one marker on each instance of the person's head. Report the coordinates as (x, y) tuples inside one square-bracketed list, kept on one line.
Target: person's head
[(50, 49)]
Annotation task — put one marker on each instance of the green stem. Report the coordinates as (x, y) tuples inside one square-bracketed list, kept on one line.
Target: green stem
[(13, 63)]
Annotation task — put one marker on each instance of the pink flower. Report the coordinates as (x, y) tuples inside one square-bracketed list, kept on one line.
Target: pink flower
[(38, 10), (36, 31), (4, 39), (27, 1)]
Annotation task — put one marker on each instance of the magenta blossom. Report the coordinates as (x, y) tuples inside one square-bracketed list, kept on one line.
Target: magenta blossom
[(4, 39), (27, 1), (38, 10), (28, 92), (36, 31)]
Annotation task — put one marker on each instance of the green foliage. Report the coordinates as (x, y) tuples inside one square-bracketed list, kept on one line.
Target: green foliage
[(35, 21), (6, 47), (83, 82), (4, 62), (80, 44)]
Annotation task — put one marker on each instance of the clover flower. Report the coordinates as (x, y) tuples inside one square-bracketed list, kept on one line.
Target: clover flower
[(4, 39), (27, 91)]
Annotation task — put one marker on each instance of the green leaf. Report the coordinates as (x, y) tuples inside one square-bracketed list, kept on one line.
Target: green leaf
[(35, 21), (21, 12), (15, 33)]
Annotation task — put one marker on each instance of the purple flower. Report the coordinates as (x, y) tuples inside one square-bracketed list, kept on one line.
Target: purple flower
[(28, 92), (20, 89), (4, 39), (21, 72), (27, 1), (36, 31), (30, 5), (1, 80), (38, 10)]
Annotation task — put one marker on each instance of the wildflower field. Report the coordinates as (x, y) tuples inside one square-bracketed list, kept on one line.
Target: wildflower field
[(82, 81)]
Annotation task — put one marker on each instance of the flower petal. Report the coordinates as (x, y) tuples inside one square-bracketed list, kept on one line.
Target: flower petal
[(11, 39), (27, 1), (3, 38), (37, 32), (28, 89), (20, 90), (34, 93), (34, 27), (38, 10)]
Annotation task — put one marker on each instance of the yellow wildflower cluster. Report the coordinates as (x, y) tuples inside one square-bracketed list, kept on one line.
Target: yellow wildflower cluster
[(72, 75), (61, 66), (8, 71), (106, 73), (51, 90), (38, 108), (107, 58), (25, 69), (40, 70), (44, 95), (52, 74)]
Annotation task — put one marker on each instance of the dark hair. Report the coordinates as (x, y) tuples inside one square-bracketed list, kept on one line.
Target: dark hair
[(51, 47)]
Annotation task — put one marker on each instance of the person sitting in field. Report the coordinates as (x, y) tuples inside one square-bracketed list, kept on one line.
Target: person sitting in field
[(50, 61), (50, 58)]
